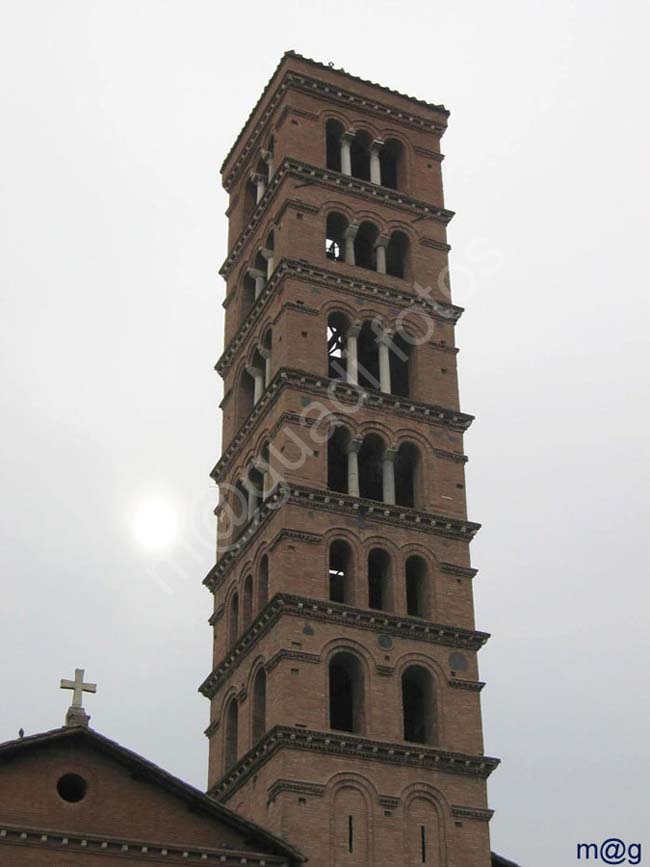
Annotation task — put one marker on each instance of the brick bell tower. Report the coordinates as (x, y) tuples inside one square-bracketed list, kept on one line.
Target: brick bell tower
[(345, 699)]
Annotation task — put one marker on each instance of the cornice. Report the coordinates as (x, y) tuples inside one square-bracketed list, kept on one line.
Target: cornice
[(308, 608), (333, 93), (471, 685), (333, 180), (342, 392), (346, 745), (330, 501), (296, 787), (79, 845), (458, 571), (315, 275), (479, 813)]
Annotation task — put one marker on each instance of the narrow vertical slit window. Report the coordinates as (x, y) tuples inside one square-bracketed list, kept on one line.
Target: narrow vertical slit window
[(423, 843), (350, 834)]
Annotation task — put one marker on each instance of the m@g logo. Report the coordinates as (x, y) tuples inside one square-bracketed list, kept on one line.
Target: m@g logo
[(611, 851)]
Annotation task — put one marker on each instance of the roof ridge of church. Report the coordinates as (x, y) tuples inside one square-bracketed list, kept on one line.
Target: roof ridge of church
[(170, 781)]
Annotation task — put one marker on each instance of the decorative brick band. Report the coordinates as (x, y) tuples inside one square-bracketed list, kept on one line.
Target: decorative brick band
[(148, 852), (295, 655), (412, 628), (333, 180), (333, 281), (351, 746), (342, 392)]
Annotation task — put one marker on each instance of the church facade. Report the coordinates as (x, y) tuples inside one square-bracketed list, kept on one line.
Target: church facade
[(344, 691)]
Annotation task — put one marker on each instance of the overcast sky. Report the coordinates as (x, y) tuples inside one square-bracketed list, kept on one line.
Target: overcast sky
[(115, 118)]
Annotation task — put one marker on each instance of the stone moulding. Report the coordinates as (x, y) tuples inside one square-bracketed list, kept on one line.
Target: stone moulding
[(330, 501), (77, 845), (286, 604), (343, 392), (471, 685), (328, 178), (344, 744), (330, 280)]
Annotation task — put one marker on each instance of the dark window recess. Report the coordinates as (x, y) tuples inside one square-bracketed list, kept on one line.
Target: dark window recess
[(72, 788), (350, 834)]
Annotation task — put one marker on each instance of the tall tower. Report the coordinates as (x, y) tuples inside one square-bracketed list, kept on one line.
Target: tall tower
[(345, 710)]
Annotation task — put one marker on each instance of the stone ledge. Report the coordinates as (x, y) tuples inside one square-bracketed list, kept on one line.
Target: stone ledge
[(349, 745), (330, 501), (411, 628), (483, 815), (345, 284), (79, 844), (342, 392)]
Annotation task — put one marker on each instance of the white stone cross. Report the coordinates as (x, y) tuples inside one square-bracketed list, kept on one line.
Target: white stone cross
[(78, 686)]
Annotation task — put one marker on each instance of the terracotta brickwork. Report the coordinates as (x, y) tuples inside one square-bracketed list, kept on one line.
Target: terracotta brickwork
[(344, 690)]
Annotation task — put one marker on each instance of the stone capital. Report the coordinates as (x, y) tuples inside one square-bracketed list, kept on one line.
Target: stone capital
[(347, 137), (381, 241), (267, 253), (377, 144), (255, 273), (351, 231), (353, 446)]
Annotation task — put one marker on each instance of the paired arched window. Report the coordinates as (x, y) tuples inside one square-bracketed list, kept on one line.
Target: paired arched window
[(363, 245), (371, 468), (231, 734), (259, 706), (418, 590), (233, 620), (357, 154), (247, 603), (380, 594), (418, 705), (341, 579), (338, 326), (263, 583), (346, 693)]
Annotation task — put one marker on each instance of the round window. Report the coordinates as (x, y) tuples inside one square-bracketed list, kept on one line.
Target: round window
[(72, 788)]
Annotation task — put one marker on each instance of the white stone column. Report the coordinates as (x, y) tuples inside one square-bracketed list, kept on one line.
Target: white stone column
[(353, 467), (380, 251), (346, 154), (266, 355), (267, 156), (351, 357), (260, 280), (388, 476), (270, 261), (258, 378), (350, 234), (375, 162), (384, 363), (260, 184)]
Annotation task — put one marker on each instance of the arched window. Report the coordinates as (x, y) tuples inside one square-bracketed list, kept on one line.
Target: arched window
[(337, 329), (399, 360), (233, 620), (245, 397), (417, 588), (333, 132), (341, 581), (259, 706), (247, 295), (370, 461), (360, 156), (379, 580), (247, 603), (231, 735), (368, 356), (407, 463), (423, 838), (268, 254), (347, 699), (335, 237), (418, 705), (263, 584), (337, 459), (266, 352), (364, 246), (250, 200), (396, 254), (391, 161)]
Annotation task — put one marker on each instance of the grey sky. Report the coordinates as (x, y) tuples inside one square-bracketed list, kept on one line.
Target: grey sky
[(115, 117)]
